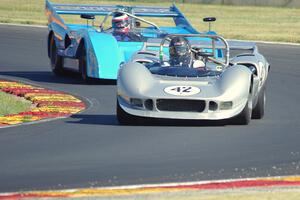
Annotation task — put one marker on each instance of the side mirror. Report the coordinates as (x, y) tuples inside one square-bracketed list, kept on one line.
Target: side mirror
[(209, 20), (137, 24), (87, 16)]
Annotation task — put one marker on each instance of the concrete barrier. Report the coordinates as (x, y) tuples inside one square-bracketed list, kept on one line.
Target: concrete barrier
[(277, 3)]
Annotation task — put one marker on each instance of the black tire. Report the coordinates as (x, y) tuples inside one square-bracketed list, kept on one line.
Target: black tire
[(123, 117), (83, 66), (244, 117), (57, 62), (259, 110)]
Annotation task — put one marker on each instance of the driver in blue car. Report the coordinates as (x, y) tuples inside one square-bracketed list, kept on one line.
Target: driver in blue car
[(181, 54), (122, 28)]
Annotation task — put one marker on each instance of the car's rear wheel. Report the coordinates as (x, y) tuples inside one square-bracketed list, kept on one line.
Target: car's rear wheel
[(57, 61), (83, 66), (259, 110)]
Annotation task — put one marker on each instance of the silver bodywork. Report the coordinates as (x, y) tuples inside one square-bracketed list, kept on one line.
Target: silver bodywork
[(236, 85)]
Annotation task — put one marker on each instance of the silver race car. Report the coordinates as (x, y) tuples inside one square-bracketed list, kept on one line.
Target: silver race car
[(193, 77)]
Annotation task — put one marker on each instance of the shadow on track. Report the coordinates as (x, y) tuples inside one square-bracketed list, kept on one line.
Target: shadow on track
[(95, 119), (48, 77), (111, 120)]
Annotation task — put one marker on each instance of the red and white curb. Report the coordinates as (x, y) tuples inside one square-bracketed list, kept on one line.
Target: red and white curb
[(49, 104), (286, 181)]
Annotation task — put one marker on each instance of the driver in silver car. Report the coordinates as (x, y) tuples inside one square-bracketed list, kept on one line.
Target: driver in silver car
[(181, 54)]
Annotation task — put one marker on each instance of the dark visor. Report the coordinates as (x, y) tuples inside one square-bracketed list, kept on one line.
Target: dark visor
[(181, 50), (120, 24)]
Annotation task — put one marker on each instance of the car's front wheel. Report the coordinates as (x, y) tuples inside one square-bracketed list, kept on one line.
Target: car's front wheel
[(259, 110), (57, 61), (123, 117), (83, 66), (244, 117)]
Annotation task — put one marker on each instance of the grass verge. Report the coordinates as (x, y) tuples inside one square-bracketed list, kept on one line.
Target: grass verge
[(268, 195), (233, 194), (237, 22), (276, 193), (12, 105)]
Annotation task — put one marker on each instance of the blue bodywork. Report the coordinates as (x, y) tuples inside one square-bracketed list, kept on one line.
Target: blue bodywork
[(104, 52)]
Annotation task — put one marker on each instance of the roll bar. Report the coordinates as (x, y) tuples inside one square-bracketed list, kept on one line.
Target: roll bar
[(213, 37), (131, 15)]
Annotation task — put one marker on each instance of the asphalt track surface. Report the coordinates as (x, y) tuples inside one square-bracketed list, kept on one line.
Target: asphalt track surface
[(91, 149)]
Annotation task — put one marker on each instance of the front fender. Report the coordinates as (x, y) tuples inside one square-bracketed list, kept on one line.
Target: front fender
[(104, 56), (131, 75), (235, 84)]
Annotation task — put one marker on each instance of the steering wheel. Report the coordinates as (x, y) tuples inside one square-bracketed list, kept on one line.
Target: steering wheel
[(198, 52), (207, 55)]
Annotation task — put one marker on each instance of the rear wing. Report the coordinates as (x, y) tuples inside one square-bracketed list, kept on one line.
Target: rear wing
[(53, 11), (142, 11)]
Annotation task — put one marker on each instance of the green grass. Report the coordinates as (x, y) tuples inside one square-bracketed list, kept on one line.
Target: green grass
[(12, 105), (238, 22)]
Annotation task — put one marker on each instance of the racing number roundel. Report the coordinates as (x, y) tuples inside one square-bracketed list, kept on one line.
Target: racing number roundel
[(182, 90)]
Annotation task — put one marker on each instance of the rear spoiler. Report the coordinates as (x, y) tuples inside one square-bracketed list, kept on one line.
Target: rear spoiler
[(142, 11), (241, 45)]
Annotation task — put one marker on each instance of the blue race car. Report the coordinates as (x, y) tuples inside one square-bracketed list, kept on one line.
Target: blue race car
[(98, 51)]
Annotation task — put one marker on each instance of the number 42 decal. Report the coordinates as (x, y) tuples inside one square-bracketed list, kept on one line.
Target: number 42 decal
[(182, 90)]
